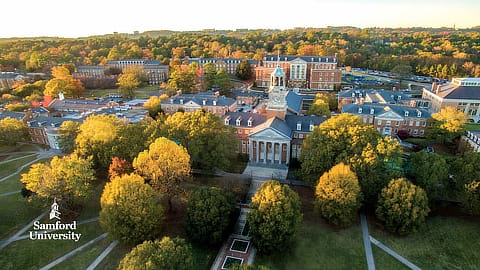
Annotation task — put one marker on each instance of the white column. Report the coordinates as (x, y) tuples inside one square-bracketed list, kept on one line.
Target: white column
[(273, 158), (266, 152), (288, 153), (258, 151), (250, 149)]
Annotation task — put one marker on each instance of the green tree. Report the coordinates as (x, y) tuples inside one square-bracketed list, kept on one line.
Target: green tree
[(402, 206), (223, 81), (209, 214), (154, 105), (68, 132), (63, 82), (274, 217), (471, 198), (338, 195), (12, 131), (167, 254), (68, 179), (209, 78), (430, 172), (319, 107), (209, 142), (164, 165), (447, 124), (464, 170), (130, 212), (181, 79), (244, 70)]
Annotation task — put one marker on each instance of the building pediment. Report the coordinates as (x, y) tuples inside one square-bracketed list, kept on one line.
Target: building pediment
[(269, 134), (298, 61), (390, 115), (192, 104)]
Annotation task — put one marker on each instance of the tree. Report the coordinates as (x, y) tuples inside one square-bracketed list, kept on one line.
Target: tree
[(63, 82), (447, 124), (402, 71), (96, 137), (130, 79), (209, 214), (68, 179), (131, 139), (168, 254), (68, 132), (471, 198), (209, 142), (347, 139), (244, 70), (430, 172), (209, 78), (154, 105), (320, 108), (12, 131), (181, 79), (223, 81), (402, 206), (464, 170), (164, 165), (130, 210), (274, 216), (338, 195), (119, 167)]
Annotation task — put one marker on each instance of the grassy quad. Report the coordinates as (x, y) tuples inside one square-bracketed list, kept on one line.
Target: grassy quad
[(11, 166)]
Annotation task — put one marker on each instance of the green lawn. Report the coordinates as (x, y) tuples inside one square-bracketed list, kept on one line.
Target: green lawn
[(12, 166), (472, 126), (13, 183), (29, 254), (16, 212), (443, 243), (318, 246), (83, 259)]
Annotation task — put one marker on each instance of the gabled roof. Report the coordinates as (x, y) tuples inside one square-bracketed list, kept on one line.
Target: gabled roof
[(276, 124), (294, 101), (208, 97), (379, 109), (305, 121), (49, 122), (9, 114), (257, 119), (455, 91)]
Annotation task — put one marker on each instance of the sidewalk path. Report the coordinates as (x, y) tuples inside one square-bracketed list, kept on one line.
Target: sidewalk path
[(17, 158), (73, 252), (394, 254), (41, 155), (10, 193), (366, 242), (21, 231), (102, 256)]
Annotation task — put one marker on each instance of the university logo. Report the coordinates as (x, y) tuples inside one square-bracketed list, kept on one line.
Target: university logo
[(48, 231)]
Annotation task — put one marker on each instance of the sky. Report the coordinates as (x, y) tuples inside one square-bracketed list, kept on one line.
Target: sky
[(61, 18)]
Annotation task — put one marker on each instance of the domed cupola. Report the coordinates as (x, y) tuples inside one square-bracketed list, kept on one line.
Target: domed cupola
[(278, 77)]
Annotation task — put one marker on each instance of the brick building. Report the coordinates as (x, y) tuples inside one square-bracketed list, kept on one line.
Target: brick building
[(309, 73), (229, 64), (209, 101), (361, 96)]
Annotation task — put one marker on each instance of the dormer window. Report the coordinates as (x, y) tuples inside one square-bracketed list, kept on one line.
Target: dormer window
[(419, 114), (249, 122), (227, 120), (311, 126), (360, 110), (204, 102), (299, 126), (406, 113), (239, 120), (214, 103), (181, 101), (372, 111)]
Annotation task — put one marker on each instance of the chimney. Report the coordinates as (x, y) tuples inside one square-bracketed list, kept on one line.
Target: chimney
[(438, 89)]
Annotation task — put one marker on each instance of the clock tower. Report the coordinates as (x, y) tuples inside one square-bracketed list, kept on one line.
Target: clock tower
[(277, 93)]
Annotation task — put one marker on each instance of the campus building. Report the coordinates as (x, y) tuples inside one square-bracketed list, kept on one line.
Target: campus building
[(209, 101), (229, 64), (308, 73), (274, 137), (462, 94)]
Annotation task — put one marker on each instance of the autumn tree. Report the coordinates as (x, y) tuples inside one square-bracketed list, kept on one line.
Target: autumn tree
[(68, 131), (338, 195), (430, 172), (130, 212), (244, 70), (181, 78), (447, 124), (68, 179), (274, 217), (130, 79), (210, 74), (166, 253), (223, 81), (63, 82), (347, 139), (96, 137), (319, 107), (164, 165), (209, 214), (12, 131), (154, 105), (119, 167), (209, 142), (402, 206), (471, 197)]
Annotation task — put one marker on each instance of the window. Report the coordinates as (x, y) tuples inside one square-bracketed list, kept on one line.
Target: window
[(417, 123), (389, 122), (238, 122), (422, 132), (299, 126), (300, 135), (249, 123), (244, 147), (397, 123), (379, 122), (227, 121), (311, 127), (410, 123), (415, 131)]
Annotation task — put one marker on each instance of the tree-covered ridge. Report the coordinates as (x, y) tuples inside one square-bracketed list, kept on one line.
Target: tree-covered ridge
[(434, 52)]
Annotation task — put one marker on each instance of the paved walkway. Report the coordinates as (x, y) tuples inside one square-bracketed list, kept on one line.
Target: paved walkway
[(366, 242), (41, 155), (102, 256), (73, 252), (394, 254), (17, 158), (21, 231), (10, 193)]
